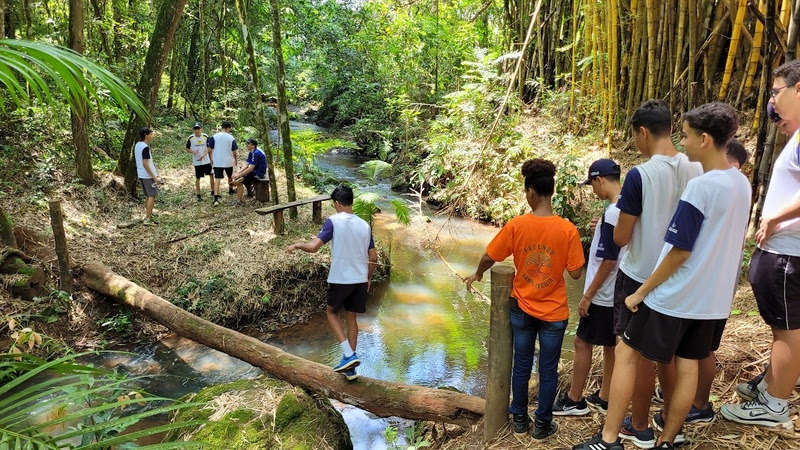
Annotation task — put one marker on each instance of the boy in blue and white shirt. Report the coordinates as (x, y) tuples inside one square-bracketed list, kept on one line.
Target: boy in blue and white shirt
[(256, 169), (681, 309), (596, 308), (353, 260), (197, 146)]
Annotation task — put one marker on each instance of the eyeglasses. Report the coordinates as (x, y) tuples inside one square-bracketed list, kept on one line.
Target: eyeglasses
[(776, 91)]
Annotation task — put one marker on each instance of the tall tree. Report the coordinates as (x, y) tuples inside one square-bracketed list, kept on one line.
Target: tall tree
[(79, 114), (261, 111), (169, 16), (283, 113)]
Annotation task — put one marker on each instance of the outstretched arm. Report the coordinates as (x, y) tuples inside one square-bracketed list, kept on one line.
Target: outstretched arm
[(309, 247), (484, 265)]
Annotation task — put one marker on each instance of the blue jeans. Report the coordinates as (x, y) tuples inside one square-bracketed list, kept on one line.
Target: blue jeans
[(551, 334)]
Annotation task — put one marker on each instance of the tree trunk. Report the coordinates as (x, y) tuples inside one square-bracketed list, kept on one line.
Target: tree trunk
[(169, 16), (382, 398), (2, 18), (7, 230), (283, 111), (62, 250), (262, 106), (80, 113)]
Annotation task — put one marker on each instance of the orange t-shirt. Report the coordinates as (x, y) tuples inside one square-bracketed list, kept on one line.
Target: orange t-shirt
[(542, 247)]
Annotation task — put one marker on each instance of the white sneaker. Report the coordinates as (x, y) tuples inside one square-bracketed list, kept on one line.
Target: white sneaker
[(756, 412)]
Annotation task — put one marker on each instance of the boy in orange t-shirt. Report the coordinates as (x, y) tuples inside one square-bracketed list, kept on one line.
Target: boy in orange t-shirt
[(543, 245)]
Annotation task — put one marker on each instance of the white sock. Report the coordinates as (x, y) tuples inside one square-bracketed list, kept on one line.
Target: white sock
[(348, 352), (762, 385), (777, 405)]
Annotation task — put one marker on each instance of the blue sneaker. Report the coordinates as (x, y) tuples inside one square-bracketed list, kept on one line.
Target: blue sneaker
[(701, 415), (347, 363), (641, 438), (351, 375), (658, 424)]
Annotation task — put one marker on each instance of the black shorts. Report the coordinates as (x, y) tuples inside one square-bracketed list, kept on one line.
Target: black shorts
[(249, 180), (659, 337), (352, 296), (218, 172), (201, 171), (776, 286), (623, 287), (149, 187), (598, 327)]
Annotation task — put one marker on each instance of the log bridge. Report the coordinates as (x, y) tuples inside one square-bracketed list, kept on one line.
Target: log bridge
[(382, 398), (277, 211)]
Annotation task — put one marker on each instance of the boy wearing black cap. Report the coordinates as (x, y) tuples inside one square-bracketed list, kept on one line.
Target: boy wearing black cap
[(596, 308), (197, 146), (256, 169)]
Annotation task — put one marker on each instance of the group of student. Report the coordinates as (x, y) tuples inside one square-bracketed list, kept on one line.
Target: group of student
[(213, 156), (663, 268)]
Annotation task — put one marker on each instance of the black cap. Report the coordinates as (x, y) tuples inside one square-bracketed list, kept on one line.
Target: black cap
[(197, 125), (772, 114), (600, 168)]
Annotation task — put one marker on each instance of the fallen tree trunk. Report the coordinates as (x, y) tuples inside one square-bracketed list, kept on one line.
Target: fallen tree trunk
[(382, 398)]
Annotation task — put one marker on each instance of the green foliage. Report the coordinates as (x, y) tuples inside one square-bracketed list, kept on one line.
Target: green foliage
[(375, 168), (413, 437), (120, 323), (77, 79), (87, 406)]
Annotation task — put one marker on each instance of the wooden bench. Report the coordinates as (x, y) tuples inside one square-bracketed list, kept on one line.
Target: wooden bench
[(277, 210)]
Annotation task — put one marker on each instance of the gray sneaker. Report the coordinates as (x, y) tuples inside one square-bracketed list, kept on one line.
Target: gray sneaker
[(749, 390), (756, 412)]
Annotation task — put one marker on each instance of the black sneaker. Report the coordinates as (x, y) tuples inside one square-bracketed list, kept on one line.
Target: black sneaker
[(658, 396), (231, 191), (565, 406), (701, 416), (658, 424), (216, 201), (542, 430), (199, 198), (521, 422), (664, 446), (597, 443), (594, 401)]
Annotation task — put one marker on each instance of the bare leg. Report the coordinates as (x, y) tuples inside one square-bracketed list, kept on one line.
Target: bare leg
[(197, 186), (352, 329), (336, 324), (784, 364), (681, 398), (239, 191), (608, 371), (643, 388), (211, 182), (216, 185), (582, 364), (621, 392), (148, 206), (705, 377)]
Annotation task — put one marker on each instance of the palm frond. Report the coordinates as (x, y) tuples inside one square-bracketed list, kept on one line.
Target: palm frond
[(375, 168), (75, 77), (93, 398), (402, 212)]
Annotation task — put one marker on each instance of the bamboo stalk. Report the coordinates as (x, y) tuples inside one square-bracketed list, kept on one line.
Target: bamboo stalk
[(573, 63), (755, 53), (678, 49), (735, 35), (634, 66), (651, 48), (692, 50)]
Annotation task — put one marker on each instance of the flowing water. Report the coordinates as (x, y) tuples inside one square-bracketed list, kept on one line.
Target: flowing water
[(421, 327)]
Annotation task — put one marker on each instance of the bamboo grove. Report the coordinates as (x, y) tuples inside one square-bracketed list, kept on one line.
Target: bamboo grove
[(618, 53)]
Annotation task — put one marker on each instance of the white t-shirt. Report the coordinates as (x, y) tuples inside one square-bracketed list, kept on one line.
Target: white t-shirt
[(711, 222), (141, 151), (651, 192), (223, 145), (784, 188), (351, 239), (197, 145), (603, 248)]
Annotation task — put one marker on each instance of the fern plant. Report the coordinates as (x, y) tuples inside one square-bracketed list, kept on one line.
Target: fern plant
[(92, 399), (365, 206)]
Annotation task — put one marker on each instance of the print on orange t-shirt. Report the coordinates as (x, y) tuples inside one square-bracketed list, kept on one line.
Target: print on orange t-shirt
[(543, 247)]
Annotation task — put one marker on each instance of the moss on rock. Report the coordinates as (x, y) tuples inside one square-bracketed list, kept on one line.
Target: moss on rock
[(263, 414)]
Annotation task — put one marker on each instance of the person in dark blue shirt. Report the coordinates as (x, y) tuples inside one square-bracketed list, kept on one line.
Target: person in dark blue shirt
[(255, 170)]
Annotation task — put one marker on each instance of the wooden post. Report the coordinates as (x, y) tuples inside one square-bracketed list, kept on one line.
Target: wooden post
[(262, 191), (277, 221), (316, 212), (498, 383), (62, 252)]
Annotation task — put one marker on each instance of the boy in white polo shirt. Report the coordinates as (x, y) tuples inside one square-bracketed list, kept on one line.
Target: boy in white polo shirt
[(681, 309), (773, 270), (223, 155), (353, 260), (596, 308), (647, 201)]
